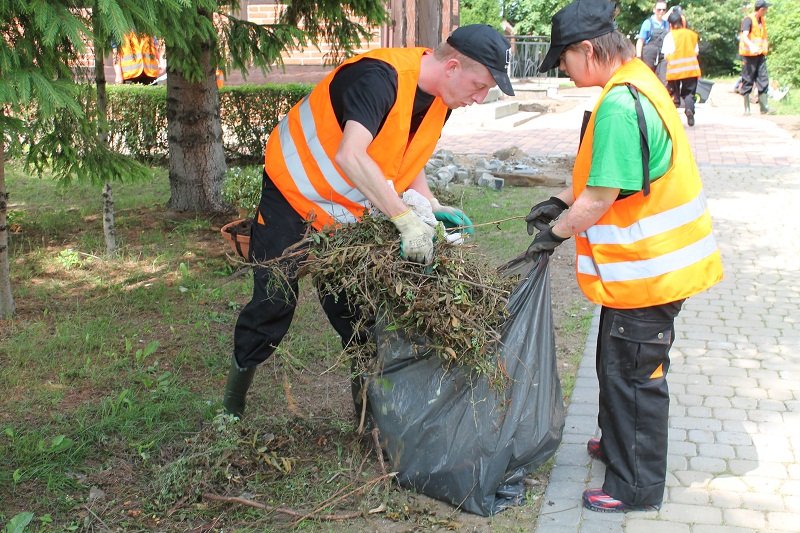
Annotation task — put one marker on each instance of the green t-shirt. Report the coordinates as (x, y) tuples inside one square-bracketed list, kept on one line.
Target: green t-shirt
[(616, 147)]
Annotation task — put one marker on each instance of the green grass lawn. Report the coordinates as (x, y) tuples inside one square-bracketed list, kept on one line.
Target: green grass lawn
[(113, 369)]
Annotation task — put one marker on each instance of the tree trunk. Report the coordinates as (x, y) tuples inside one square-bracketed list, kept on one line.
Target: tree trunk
[(109, 229), (420, 22), (196, 156), (6, 298)]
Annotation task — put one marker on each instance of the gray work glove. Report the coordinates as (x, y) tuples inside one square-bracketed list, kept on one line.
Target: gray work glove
[(543, 213), (416, 237)]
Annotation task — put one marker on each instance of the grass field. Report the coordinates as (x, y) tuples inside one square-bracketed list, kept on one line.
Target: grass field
[(112, 372)]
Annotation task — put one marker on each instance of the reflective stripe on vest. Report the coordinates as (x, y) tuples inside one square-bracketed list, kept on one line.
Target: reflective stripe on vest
[(682, 62), (649, 268), (648, 226), (138, 56), (649, 250), (326, 166), (757, 35), (300, 151)]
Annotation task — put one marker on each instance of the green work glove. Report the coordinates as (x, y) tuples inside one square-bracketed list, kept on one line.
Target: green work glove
[(452, 217), (416, 237)]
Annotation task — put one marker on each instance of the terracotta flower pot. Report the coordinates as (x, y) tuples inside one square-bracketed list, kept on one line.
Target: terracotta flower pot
[(237, 233)]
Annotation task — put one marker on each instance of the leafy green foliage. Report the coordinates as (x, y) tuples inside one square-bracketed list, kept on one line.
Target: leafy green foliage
[(532, 17), (250, 112), (480, 12), (18, 523), (137, 122), (39, 39), (242, 188), (783, 20), (137, 119), (717, 22)]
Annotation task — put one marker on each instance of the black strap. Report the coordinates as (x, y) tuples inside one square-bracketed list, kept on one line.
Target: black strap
[(643, 138)]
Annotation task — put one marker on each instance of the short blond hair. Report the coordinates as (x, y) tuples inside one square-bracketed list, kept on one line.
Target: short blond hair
[(444, 51)]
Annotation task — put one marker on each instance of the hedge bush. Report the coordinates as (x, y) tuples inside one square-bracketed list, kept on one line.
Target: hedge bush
[(138, 119)]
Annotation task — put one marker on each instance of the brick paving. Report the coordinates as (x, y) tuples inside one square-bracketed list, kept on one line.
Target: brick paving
[(734, 437)]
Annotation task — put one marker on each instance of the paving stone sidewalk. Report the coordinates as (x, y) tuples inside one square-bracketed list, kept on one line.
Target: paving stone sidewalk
[(734, 449)]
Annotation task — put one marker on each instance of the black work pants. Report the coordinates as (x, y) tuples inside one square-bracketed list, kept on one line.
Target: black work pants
[(264, 321), (632, 363), (754, 72), (683, 91)]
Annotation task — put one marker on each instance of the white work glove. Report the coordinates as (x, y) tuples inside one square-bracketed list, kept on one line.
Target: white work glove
[(421, 206), (416, 237)]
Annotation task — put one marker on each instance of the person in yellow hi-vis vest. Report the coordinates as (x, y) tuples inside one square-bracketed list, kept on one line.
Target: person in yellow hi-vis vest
[(361, 138), (643, 245), (680, 50), (753, 47), (138, 60)]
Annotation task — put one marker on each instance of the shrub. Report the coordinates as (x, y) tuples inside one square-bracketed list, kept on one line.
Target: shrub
[(138, 119), (242, 189)]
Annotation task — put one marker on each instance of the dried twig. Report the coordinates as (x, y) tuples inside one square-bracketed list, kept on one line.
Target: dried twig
[(97, 518), (331, 501), (272, 509), (376, 434), (457, 304), (300, 516)]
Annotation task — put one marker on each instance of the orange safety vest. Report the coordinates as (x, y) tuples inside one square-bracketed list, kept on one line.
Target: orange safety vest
[(220, 78), (682, 63), (299, 156), (139, 55), (654, 249), (758, 35)]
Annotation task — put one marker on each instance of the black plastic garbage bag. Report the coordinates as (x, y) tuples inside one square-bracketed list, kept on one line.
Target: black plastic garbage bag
[(454, 438)]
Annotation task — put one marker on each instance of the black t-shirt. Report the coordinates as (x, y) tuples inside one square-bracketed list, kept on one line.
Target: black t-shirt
[(365, 92)]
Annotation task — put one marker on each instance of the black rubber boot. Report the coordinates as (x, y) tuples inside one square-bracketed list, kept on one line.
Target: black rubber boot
[(762, 103), (746, 104), (239, 380)]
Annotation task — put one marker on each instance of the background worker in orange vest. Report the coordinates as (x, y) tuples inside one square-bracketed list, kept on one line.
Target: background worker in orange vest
[(138, 60), (683, 68), (753, 47), (361, 137), (643, 242)]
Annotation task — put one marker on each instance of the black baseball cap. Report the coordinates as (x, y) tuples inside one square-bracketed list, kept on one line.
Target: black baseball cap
[(578, 21), (485, 45), (762, 3)]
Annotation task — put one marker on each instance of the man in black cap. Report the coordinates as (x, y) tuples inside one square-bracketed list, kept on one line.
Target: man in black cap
[(643, 242), (753, 47), (361, 138)]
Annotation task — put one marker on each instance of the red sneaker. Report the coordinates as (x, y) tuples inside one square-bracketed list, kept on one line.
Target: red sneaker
[(595, 451), (599, 501)]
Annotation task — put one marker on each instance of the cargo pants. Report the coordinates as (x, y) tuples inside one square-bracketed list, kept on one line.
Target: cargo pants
[(632, 363)]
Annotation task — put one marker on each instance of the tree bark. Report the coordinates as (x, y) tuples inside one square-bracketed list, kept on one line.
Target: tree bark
[(194, 133), (420, 22), (7, 307), (109, 227)]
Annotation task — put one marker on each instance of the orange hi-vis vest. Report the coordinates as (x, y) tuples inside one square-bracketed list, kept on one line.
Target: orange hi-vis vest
[(139, 56), (654, 249), (682, 63), (300, 151), (758, 36)]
